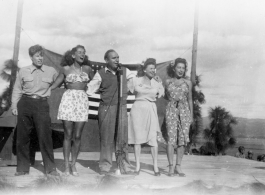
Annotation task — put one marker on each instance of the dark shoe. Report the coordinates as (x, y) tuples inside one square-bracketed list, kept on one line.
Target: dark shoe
[(157, 173), (171, 171), (137, 172), (103, 172), (53, 174), (19, 173), (178, 173)]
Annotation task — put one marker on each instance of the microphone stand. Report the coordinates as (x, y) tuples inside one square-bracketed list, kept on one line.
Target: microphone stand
[(120, 154)]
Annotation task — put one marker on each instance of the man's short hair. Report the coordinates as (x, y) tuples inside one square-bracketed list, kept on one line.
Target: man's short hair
[(34, 49), (107, 53)]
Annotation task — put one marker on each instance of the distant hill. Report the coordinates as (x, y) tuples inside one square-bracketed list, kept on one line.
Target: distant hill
[(251, 128)]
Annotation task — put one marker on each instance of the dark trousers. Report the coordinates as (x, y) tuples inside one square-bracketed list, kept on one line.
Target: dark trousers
[(107, 120), (34, 113)]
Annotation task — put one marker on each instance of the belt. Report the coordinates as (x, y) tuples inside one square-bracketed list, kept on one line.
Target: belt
[(35, 97), (112, 104)]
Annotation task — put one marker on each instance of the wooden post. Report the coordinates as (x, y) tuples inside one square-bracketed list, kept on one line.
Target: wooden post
[(13, 160), (193, 62), (194, 47), (17, 42)]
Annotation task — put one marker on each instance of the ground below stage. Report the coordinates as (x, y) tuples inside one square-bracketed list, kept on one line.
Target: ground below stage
[(204, 175)]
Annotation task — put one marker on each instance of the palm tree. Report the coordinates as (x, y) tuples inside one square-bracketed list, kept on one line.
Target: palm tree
[(198, 99), (5, 74), (220, 133)]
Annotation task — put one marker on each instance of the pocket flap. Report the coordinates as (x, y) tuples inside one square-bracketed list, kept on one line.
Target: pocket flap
[(47, 80), (28, 79)]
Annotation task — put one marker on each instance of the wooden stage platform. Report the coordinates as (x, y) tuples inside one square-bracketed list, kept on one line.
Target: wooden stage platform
[(204, 175)]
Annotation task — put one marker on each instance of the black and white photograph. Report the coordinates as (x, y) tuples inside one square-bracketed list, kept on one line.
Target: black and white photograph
[(132, 97)]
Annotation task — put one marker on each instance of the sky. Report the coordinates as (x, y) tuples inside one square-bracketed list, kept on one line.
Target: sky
[(231, 40)]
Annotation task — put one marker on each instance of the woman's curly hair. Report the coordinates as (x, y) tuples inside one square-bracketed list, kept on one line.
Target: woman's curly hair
[(171, 67), (68, 60), (141, 68)]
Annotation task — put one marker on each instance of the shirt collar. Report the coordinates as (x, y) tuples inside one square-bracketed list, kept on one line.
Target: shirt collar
[(33, 68), (111, 71)]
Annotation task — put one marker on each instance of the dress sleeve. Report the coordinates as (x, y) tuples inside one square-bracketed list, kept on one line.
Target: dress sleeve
[(159, 87), (131, 84), (161, 90), (129, 74)]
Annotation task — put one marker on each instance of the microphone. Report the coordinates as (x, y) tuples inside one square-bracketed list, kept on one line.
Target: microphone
[(119, 69)]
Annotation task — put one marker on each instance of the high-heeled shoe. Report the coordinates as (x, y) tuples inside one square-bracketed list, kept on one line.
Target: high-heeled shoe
[(178, 173), (157, 173), (137, 172), (171, 172), (74, 173), (66, 172)]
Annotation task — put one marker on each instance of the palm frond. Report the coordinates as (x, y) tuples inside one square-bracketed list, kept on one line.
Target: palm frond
[(5, 76), (198, 99), (221, 129), (9, 65), (197, 80), (207, 133), (210, 147)]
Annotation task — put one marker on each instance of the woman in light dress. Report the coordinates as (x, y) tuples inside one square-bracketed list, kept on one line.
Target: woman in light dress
[(143, 120), (74, 106)]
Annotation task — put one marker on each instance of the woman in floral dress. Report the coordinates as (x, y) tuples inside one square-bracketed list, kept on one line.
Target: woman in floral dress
[(179, 113), (73, 109)]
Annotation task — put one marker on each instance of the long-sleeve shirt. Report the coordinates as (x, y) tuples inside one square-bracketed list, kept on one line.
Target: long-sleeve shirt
[(94, 84), (33, 81)]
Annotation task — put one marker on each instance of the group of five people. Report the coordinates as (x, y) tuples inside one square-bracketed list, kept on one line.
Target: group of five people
[(33, 87)]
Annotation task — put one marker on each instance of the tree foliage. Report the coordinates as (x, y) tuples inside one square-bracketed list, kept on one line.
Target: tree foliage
[(198, 99), (220, 131), (5, 74)]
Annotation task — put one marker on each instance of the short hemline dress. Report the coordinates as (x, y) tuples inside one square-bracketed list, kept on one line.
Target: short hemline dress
[(74, 105)]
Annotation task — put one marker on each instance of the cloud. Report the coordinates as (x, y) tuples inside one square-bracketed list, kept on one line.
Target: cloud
[(169, 43), (230, 54)]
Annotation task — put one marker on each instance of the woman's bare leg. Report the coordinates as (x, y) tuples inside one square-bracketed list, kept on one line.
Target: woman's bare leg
[(154, 152), (137, 153), (79, 126), (68, 135), (170, 155), (180, 153)]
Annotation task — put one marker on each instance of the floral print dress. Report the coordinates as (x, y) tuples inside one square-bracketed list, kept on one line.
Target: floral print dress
[(178, 115)]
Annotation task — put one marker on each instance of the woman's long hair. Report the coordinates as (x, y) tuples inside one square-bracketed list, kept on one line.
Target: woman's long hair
[(68, 60), (171, 67), (141, 68)]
